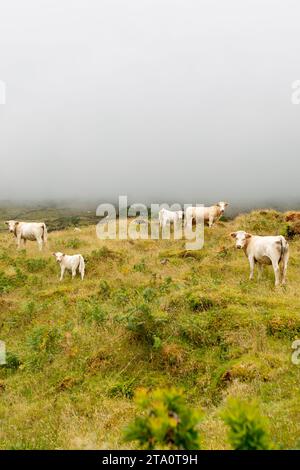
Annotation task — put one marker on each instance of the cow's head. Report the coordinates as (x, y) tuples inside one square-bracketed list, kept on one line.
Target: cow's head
[(59, 256), (241, 238), (12, 225), (222, 205)]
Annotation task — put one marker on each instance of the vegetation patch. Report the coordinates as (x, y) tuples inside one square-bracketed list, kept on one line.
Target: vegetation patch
[(284, 325)]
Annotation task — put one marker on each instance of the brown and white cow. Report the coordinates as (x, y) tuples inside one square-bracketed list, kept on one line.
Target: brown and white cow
[(209, 214), (269, 250)]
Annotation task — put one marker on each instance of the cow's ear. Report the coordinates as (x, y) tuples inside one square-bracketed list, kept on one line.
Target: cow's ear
[(226, 204), (16, 222), (248, 235), (6, 222), (233, 234)]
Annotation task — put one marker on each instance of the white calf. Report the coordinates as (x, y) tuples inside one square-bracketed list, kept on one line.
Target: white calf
[(209, 215), (166, 216), (71, 263), (263, 251), (28, 231)]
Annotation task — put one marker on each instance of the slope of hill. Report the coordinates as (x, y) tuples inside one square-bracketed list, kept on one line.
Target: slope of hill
[(76, 351)]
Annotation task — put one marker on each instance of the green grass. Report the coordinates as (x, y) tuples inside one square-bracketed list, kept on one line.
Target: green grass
[(78, 351)]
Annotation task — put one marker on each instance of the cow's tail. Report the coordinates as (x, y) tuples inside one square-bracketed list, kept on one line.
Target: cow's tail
[(45, 233), (284, 255), (81, 266)]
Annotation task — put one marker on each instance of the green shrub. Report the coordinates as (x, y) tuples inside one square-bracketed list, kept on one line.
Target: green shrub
[(102, 254), (104, 289), (142, 323), (91, 311), (7, 283), (73, 243), (35, 265), (121, 296), (45, 339), (24, 316), (166, 422), (204, 330), (12, 361), (149, 294), (200, 303), (123, 389), (247, 428), (140, 267)]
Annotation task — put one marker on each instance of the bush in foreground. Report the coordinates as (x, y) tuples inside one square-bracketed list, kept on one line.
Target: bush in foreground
[(166, 421), (247, 428)]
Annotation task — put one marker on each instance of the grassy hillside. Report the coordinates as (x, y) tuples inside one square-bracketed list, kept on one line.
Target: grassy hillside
[(56, 218), (146, 315)]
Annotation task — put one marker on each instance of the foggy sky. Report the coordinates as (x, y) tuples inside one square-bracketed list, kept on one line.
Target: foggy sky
[(161, 100)]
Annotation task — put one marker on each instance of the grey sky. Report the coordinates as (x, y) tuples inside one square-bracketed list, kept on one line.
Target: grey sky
[(183, 100)]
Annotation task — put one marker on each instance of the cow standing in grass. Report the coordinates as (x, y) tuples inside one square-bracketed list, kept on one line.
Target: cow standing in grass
[(167, 217), (208, 215), (33, 231), (71, 263), (264, 251)]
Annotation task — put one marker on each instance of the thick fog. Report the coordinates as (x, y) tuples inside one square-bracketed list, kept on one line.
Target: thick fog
[(160, 100)]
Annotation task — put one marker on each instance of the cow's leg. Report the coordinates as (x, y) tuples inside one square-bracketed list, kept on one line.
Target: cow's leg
[(285, 261), (18, 242), (40, 243), (74, 270), (276, 272), (24, 242), (210, 221), (260, 270), (252, 264), (62, 272)]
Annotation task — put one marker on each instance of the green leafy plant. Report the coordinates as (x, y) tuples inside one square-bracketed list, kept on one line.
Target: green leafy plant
[(141, 321), (166, 421), (45, 339), (35, 265), (91, 311), (123, 389), (7, 283), (12, 361), (247, 428), (149, 294), (140, 267), (73, 243), (200, 303), (102, 253), (104, 289)]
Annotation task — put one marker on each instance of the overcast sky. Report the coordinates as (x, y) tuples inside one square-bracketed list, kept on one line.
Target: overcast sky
[(162, 100)]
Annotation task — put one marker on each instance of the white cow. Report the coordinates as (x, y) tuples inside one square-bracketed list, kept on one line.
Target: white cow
[(28, 231), (264, 251), (208, 214), (166, 216), (71, 263)]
